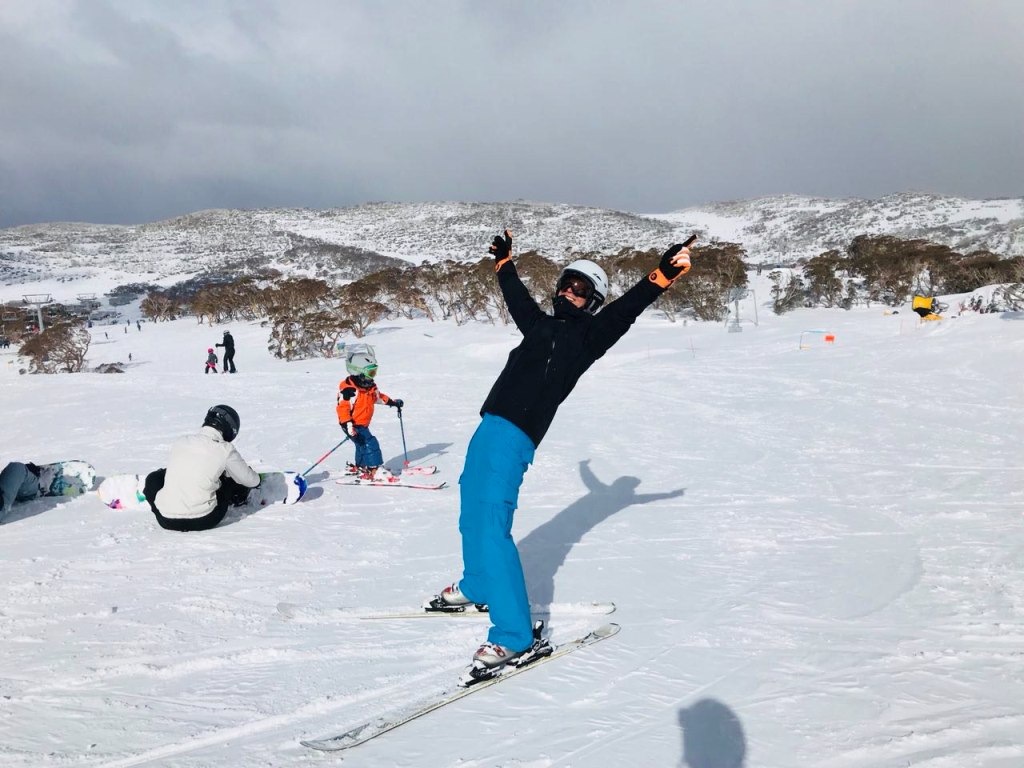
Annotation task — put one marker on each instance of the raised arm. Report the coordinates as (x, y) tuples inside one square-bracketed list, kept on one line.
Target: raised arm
[(520, 303), (616, 318)]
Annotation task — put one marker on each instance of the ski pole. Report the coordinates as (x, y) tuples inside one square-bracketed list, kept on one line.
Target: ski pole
[(326, 455), (401, 424)]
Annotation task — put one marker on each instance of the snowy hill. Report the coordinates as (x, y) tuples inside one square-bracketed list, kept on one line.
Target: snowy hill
[(816, 555), (346, 242)]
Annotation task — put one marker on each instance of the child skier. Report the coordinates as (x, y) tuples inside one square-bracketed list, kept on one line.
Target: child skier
[(357, 395), (211, 360)]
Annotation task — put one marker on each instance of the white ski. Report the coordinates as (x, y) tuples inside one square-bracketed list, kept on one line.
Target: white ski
[(471, 611), (381, 725), (294, 610)]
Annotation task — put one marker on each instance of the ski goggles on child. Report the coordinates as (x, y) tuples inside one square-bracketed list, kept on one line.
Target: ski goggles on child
[(578, 285)]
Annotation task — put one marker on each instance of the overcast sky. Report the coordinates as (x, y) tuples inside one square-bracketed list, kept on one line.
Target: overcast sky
[(126, 111)]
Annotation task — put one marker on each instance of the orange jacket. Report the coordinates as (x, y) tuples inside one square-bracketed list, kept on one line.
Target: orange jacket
[(356, 404)]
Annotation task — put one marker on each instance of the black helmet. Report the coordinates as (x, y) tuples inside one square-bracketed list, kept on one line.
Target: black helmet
[(225, 420)]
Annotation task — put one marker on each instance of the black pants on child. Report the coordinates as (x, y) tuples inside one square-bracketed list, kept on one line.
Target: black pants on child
[(229, 494)]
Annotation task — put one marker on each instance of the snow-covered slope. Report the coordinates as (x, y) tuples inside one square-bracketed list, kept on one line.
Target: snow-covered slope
[(340, 243), (816, 555)]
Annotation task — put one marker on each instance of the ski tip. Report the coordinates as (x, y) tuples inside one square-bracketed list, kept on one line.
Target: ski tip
[(606, 630), (323, 745)]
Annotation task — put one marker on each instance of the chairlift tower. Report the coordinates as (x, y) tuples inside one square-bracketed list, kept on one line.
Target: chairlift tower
[(88, 302), (735, 295), (38, 300)]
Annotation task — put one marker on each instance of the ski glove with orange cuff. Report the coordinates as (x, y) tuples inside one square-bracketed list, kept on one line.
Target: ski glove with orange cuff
[(501, 249), (396, 403), (675, 262)]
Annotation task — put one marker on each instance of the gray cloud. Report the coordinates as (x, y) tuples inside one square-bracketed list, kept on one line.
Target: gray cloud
[(135, 110)]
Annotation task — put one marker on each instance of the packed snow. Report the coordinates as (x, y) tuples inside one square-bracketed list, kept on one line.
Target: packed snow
[(815, 549)]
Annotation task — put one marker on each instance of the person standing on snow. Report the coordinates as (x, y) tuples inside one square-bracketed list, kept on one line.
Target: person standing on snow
[(18, 482), (357, 396), (229, 352), (211, 360), (204, 475), (539, 374)]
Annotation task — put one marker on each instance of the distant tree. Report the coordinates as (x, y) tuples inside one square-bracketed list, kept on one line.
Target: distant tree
[(888, 266), (717, 269), (356, 306), (158, 306), (822, 275), (788, 291), (58, 349)]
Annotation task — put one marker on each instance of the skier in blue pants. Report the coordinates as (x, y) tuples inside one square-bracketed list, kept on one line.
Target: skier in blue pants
[(489, 497), (539, 374)]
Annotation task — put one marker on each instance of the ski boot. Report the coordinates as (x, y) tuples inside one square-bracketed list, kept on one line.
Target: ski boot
[(491, 658), (379, 474), (451, 600)]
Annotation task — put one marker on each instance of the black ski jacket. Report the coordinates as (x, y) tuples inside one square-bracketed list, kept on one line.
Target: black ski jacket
[(555, 350)]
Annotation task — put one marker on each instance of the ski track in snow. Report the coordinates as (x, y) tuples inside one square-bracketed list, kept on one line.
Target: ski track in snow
[(816, 556)]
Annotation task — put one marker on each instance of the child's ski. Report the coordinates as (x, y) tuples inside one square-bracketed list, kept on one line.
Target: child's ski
[(381, 725), (419, 470), (390, 482)]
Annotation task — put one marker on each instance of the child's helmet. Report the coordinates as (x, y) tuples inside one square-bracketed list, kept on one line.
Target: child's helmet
[(593, 275), (361, 360), (210, 349), (225, 420)]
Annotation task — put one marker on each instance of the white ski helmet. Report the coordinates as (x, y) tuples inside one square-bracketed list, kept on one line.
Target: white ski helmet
[(361, 360), (593, 275)]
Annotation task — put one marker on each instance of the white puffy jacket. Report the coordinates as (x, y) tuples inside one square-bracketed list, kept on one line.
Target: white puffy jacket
[(193, 474)]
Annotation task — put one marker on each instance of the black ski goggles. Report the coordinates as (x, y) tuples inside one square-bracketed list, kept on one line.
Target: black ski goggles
[(578, 285)]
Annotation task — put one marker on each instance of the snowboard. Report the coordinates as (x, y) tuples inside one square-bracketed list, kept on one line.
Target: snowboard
[(277, 488), (125, 491), (66, 478)]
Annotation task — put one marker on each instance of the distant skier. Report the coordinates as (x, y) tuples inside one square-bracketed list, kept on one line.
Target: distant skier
[(211, 360), (204, 476), (539, 374), (18, 482), (229, 352), (357, 395)]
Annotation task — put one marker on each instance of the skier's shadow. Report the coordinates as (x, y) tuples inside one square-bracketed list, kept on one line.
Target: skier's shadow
[(712, 736), (543, 550), (32, 507), (417, 454)]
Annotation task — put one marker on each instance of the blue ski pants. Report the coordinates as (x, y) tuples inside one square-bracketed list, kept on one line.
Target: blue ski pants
[(496, 461), (367, 448)]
